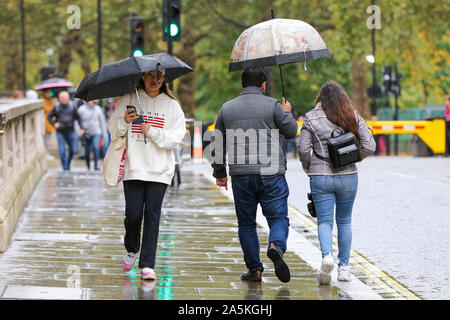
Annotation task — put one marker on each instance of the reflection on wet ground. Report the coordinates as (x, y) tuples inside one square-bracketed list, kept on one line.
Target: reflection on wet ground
[(70, 237)]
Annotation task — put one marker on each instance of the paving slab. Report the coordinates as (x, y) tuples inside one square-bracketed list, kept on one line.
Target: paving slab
[(69, 243)]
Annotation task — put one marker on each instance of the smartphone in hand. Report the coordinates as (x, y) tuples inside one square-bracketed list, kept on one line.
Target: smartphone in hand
[(131, 109)]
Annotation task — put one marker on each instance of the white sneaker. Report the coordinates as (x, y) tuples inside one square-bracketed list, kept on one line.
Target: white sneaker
[(128, 261), (325, 269), (148, 274), (344, 273)]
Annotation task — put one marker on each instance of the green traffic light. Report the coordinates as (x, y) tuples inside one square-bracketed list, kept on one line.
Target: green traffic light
[(173, 29), (138, 53)]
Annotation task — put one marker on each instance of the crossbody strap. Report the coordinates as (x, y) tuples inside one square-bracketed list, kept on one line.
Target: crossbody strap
[(319, 156), (320, 142)]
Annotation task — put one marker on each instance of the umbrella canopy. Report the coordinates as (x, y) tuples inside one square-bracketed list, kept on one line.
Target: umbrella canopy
[(121, 77), (276, 42), (53, 83)]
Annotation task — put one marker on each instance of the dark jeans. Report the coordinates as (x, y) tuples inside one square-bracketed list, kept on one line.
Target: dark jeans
[(71, 140), (143, 199), (271, 192), (94, 143)]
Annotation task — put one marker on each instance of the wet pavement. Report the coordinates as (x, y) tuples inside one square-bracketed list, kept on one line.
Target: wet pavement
[(69, 245), (400, 224)]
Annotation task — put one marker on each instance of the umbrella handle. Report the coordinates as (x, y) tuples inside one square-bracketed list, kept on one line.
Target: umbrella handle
[(282, 82)]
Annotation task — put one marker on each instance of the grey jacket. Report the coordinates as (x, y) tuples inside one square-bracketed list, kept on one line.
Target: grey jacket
[(250, 129), (317, 121), (93, 119)]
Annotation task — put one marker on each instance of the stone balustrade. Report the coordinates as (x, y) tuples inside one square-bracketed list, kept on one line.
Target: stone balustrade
[(22, 159)]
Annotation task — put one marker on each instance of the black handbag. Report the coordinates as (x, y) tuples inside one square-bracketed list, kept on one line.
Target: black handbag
[(311, 206), (342, 150)]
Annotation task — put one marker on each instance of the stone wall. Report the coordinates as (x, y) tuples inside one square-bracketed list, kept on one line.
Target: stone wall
[(22, 159)]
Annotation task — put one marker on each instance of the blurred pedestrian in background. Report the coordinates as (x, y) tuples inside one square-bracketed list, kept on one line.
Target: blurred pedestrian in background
[(331, 187), (109, 110), (299, 118), (17, 95), (62, 117), (31, 94), (49, 103), (94, 124)]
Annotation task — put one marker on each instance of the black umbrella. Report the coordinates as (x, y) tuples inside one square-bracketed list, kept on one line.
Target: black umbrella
[(121, 77)]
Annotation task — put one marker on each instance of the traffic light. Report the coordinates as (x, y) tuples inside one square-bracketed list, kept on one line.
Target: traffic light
[(137, 35), (391, 81), (387, 79), (396, 88), (171, 20)]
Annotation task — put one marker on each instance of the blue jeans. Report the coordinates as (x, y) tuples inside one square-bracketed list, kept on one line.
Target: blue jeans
[(106, 143), (328, 191), (71, 140), (94, 143), (271, 192)]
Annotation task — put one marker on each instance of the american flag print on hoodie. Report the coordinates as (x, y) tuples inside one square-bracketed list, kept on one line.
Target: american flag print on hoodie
[(156, 122)]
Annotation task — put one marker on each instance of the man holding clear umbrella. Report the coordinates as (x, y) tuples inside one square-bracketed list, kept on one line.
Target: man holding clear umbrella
[(243, 127)]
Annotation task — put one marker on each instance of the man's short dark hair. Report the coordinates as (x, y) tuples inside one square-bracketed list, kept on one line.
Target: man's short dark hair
[(253, 77)]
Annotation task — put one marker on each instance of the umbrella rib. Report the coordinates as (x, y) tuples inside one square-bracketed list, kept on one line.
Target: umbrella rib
[(244, 56), (275, 53)]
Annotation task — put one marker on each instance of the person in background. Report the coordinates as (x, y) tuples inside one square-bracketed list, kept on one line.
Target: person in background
[(330, 187), (94, 124), (299, 118), (49, 103), (109, 110), (62, 117), (17, 95), (31, 94)]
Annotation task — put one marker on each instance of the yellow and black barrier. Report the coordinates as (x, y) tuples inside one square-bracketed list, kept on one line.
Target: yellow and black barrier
[(432, 132)]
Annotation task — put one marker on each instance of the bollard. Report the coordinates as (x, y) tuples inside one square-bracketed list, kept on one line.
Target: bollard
[(197, 152)]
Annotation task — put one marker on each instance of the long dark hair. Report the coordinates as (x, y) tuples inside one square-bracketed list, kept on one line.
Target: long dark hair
[(338, 107)]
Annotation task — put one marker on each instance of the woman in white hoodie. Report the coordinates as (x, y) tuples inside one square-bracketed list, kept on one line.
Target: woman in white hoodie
[(153, 132)]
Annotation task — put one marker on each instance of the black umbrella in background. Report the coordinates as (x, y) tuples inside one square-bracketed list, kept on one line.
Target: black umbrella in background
[(122, 77)]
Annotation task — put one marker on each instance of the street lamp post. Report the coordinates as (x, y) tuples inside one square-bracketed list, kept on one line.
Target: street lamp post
[(99, 37), (99, 32), (22, 27), (374, 91)]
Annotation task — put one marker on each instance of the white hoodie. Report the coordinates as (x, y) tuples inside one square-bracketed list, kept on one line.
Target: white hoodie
[(149, 159)]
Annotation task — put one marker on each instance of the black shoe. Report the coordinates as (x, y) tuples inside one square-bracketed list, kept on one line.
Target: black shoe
[(252, 276), (281, 268)]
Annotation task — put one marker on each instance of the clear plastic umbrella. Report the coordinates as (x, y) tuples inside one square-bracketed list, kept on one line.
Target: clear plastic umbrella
[(276, 42)]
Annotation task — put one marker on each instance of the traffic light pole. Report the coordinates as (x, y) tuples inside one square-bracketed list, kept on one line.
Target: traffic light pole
[(395, 119), (396, 94), (170, 51)]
